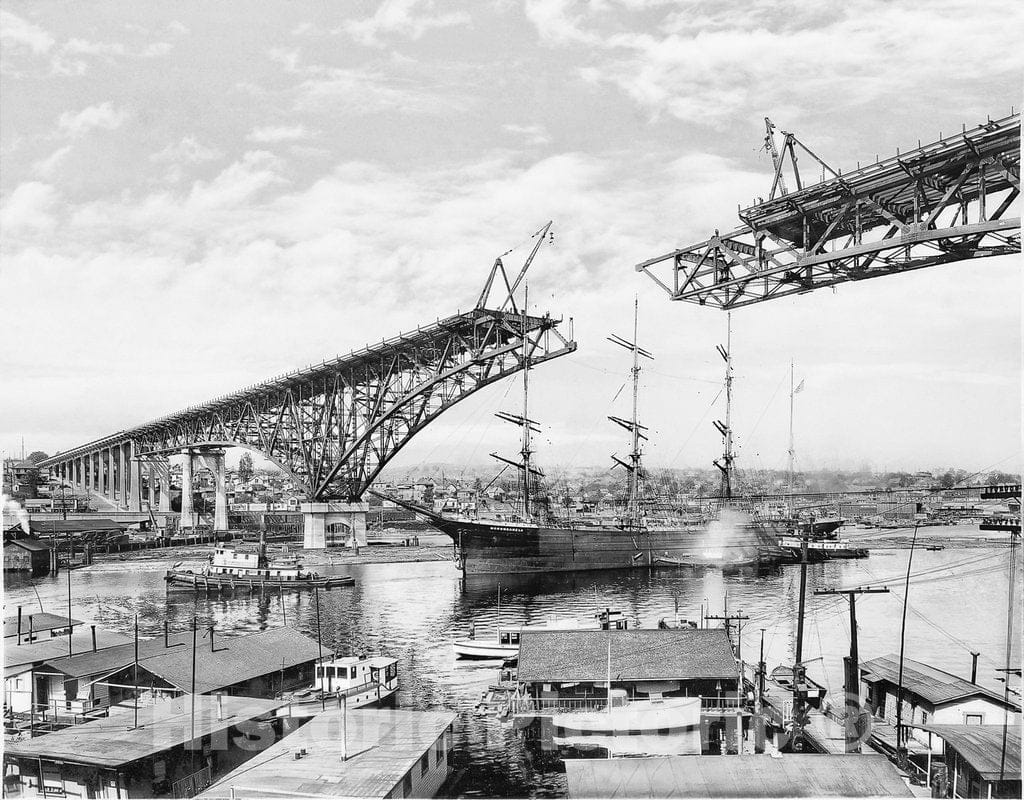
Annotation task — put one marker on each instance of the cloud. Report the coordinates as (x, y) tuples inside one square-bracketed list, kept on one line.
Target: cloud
[(45, 168), (401, 18), (278, 133), (711, 61), (534, 134), (19, 33), (179, 155), (99, 117), (177, 27), (28, 209)]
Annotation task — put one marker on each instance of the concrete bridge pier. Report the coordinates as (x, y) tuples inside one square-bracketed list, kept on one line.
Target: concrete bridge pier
[(317, 519), (188, 518), (213, 460)]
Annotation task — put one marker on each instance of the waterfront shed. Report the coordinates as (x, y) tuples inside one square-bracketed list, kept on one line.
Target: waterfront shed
[(930, 696), (25, 626), (979, 760), (26, 554), (257, 665), (115, 758), (387, 753), (647, 663), (793, 775)]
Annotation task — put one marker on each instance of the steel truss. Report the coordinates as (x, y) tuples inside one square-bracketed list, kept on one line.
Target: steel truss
[(943, 202), (333, 427)]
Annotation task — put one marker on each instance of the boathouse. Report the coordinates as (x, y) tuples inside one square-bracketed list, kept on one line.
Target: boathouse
[(258, 665), (645, 663), (119, 758), (369, 752), (930, 696), (27, 627), (26, 554), (978, 760), (793, 775)]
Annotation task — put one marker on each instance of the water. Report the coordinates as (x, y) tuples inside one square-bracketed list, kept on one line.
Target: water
[(413, 611)]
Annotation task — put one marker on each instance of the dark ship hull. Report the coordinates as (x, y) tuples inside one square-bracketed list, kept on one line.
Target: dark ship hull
[(485, 547)]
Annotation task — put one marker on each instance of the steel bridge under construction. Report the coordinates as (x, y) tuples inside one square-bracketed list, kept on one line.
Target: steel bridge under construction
[(942, 202)]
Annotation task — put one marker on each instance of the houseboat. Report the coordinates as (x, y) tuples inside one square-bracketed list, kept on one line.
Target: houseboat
[(248, 567)]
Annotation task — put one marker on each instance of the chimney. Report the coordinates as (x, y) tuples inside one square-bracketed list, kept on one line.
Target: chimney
[(93, 637), (31, 636), (167, 642), (212, 648), (974, 666), (19, 625)]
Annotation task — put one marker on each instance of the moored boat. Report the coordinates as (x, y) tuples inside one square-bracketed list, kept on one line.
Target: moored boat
[(358, 681), (247, 567)]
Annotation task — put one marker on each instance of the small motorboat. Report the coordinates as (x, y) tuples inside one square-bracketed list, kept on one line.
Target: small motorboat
[(505, 645), (357, 681)]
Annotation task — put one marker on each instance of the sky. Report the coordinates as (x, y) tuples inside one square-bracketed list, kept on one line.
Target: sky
[(197, 196)]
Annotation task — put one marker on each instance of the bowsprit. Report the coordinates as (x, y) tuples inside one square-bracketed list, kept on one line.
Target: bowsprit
[(331, 427)]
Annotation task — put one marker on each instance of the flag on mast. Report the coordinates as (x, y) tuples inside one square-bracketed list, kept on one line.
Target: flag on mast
[(799, 388)]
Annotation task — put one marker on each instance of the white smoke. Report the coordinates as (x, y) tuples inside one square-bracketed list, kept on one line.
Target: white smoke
[(15, 508), (726, 538)]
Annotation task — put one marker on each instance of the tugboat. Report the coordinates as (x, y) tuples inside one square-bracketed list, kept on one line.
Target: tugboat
[(247, 567), (506, 643)]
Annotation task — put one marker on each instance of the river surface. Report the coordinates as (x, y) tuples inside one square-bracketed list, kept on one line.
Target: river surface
[(413, 611)]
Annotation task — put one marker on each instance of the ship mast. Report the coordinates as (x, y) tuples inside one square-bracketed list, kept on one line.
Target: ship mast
[(792, 452), (633, 467), (527, 472), (725, 428)]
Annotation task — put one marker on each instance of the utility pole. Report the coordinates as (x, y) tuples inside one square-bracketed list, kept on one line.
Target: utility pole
[(727, 619), (852, 665), (799, 687)]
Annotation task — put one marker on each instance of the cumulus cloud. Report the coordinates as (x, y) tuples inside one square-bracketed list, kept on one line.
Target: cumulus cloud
[(46, 167), (28, 209), (278, 133), (711, 61), (534, 134), (103, 116), (18, 33), (401, 18)]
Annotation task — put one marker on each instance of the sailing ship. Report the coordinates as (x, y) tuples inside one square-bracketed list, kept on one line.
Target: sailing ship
[(534, 541), (248, 567)]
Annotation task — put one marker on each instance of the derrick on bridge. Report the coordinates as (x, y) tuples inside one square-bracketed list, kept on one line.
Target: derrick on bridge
[(331, 427), (945, 201)]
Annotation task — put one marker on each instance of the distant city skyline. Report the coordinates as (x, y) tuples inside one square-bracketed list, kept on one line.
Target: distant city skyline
[(195, 198)]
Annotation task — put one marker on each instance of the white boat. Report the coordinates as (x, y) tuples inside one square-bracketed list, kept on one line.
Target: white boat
[(505, 644), (356, 681), (632, 717)]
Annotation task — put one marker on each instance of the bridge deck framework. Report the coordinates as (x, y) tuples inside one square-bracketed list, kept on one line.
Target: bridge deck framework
[(332, 427), (942, 202)]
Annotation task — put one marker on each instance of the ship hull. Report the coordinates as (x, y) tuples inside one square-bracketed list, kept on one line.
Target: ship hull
[(198, 580), (493, 548)]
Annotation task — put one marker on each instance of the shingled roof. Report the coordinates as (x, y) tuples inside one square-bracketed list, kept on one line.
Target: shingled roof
[(982, 747), (933, 685), (636, 655)]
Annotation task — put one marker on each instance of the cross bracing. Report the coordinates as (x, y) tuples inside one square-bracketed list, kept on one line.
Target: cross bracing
[(334, 426), (951, 200)]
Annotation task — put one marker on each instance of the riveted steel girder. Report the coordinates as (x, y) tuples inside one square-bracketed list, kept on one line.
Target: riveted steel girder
[(334, 426), (951, 200)]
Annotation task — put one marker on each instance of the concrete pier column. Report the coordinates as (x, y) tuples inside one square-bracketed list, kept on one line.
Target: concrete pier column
[(318, 518), (111, 481), (150, 497), (213, 460), (122, 475), (188, 514), (134, 484), (97, 471), (163, 472)]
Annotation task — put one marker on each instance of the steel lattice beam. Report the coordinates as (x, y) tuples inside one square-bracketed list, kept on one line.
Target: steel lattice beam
[(333, 427), (951, 200)]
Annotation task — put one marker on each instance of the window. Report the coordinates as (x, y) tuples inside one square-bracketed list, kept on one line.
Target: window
[(974, 719), (424, 766), (343, 672), (407, 784)]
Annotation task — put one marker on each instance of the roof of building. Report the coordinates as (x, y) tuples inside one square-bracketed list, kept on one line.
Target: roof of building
[(982, 747), (933, 685), (30, 543), (17, 658), (114, 742), (91, 663), (41, 621), (383, 745), (233, 659), (794, 775), (61, 526), (642, 654)]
